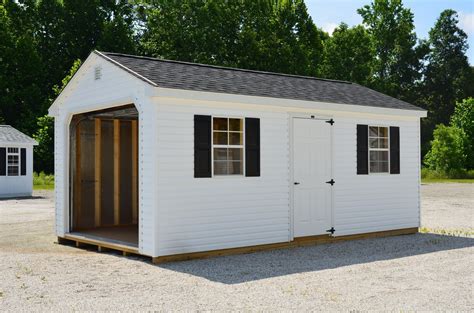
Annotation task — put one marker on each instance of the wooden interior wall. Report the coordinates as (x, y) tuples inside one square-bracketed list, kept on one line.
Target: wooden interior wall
[(105, 182), (107, 173), (125, 164), (85, 180)]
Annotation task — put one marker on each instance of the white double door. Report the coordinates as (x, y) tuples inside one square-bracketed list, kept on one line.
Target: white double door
[(311, 172)]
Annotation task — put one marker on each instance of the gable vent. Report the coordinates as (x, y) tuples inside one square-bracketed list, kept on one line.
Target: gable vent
[(97, 73)]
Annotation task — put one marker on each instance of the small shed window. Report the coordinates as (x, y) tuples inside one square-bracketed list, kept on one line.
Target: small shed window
[(228, 146), (13, 163), (379, 149)]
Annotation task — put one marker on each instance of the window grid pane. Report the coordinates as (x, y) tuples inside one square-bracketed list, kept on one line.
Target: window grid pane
[(228, 150), (378, 149)]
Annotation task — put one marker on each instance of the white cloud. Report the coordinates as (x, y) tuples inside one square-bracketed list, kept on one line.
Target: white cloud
[(329, 27), (466, 22)]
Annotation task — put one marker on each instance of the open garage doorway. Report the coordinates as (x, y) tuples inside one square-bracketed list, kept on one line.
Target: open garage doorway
[(104, 175)]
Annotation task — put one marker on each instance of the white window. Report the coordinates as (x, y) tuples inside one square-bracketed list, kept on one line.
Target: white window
[(378, 149), (228, 146), (13, 158)]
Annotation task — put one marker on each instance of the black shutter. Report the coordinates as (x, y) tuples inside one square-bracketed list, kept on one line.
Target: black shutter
[(252, 147), (3, 161), (23, 161), (202, 146), (394, 150), (362, 149)]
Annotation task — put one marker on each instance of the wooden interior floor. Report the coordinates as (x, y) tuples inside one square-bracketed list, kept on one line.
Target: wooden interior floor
[(124, 235)]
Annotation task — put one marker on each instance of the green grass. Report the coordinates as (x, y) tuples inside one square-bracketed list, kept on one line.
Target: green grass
[(43, 187), (432, 176), (43, 181), (447, 232), (447, 180)]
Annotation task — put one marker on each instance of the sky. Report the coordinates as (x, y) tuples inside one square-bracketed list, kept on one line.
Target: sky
[(327, 14)]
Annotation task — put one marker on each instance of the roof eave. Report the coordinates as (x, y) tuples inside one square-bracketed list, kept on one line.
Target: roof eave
[(280, 102)]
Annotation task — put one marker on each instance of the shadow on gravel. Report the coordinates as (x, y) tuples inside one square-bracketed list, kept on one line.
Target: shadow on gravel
[(23, 198), (251, 267)]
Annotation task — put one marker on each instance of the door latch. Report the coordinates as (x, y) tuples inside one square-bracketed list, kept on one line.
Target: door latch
[(332, 182), (332, 230), (296, 183)]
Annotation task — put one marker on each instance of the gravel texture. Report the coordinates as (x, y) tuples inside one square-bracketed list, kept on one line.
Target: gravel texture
[(422, 272)]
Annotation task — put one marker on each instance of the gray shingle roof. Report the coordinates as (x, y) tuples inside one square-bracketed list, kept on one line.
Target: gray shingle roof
[(200, 77), (9, 134)]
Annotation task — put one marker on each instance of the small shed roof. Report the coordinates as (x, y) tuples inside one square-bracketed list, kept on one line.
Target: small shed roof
[(10, 135), (210, 78)]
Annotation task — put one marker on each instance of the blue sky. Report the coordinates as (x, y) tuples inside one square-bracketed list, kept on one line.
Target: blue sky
[(327, 14)]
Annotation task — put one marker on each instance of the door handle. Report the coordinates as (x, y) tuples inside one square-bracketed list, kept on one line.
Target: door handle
[(331, 182), (296, 183)]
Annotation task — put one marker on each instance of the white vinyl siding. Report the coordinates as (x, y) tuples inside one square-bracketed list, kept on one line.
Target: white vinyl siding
[(211, 213), (114, 88), (367, 203), (17, 185), (182, 214)]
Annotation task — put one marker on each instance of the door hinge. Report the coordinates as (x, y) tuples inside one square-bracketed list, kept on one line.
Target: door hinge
[(332, 230), (331, 121), (332, 182)]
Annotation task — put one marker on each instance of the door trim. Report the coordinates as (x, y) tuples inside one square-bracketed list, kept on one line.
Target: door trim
[(291, 118)]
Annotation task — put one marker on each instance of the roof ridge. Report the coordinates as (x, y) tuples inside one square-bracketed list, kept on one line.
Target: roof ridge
[(224, 67)]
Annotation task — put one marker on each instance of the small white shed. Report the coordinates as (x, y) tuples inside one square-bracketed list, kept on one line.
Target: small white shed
[(177, 160), (16, 163)]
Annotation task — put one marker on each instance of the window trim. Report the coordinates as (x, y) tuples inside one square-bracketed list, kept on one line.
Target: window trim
[(378, 149), (227, 146), (17, 153)]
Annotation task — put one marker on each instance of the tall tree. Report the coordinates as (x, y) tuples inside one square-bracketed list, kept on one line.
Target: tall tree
[(20, 84), (266, 35), (397, 65), (118, 30), (349, 55), (447, 77)]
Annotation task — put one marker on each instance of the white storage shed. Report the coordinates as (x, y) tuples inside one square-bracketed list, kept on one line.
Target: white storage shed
[(16, 163), (177, 160)]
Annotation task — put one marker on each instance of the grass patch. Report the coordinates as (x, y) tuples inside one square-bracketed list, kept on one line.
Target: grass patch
[(43, 181), (448, 232), (43, 187), (461, 176), (447, 180)]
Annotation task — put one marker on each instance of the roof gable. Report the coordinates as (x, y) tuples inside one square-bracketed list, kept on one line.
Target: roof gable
[(208, 78), (10, 135)]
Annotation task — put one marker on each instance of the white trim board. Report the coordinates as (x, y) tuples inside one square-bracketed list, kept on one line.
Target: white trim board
[(188, 96)]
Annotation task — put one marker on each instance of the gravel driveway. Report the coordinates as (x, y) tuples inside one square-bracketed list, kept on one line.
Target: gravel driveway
[(422, 272)]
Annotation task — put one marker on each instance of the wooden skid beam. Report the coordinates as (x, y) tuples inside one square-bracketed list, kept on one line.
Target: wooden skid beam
[(134, 172), (116, 172), (102, 245), (97, 173), (298, 242)]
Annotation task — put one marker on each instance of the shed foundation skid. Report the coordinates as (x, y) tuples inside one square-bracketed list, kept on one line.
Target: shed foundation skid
[(298, 242)]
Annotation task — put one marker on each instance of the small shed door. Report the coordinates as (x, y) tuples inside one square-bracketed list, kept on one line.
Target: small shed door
[(311, 172)]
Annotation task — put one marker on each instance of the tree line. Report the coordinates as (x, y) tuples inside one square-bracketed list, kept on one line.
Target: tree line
[(41, 40)]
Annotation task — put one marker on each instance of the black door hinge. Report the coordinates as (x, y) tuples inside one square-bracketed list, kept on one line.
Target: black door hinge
[(332, 182), (332, 230), (331, 121)]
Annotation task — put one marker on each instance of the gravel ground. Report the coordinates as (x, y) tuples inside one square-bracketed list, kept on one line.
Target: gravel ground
[(422, 272)]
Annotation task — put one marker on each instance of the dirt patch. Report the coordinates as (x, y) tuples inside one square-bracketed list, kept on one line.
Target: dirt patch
[(422, 272)]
